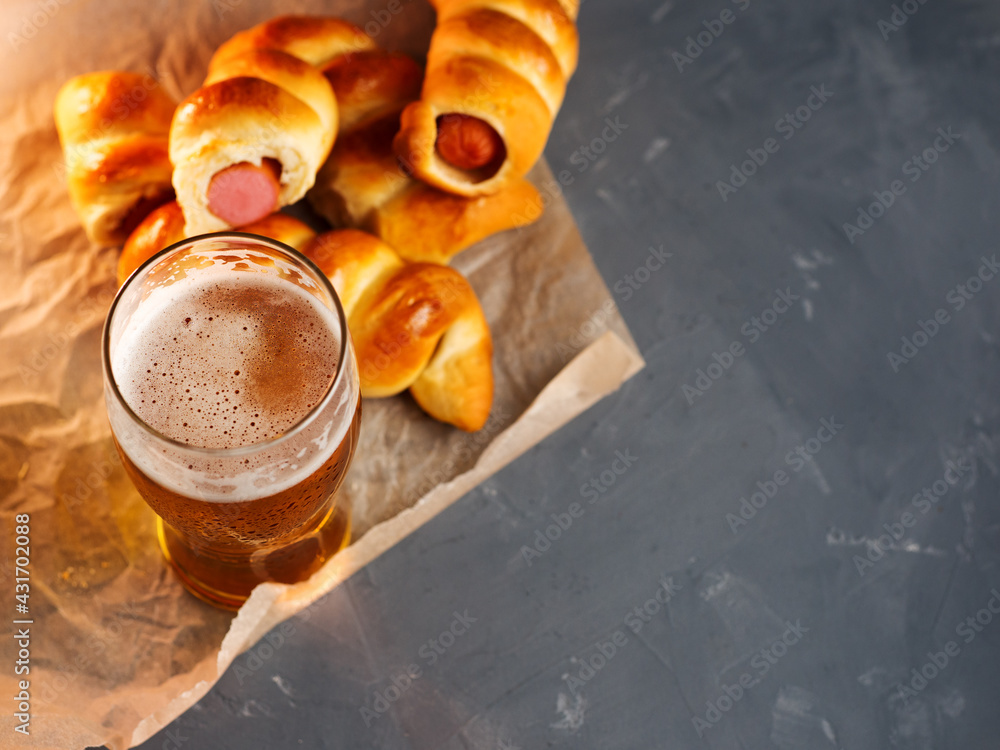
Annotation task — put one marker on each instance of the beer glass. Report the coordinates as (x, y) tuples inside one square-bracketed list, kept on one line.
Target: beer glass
[(233, 395)]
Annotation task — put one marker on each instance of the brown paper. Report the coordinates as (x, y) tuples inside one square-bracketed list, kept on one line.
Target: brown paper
[(118, 649)]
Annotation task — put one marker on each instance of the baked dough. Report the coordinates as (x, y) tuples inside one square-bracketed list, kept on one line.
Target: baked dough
[(165, 226), (113, 129), (362, 184), (257, 105), (414, 325), (504, 65)]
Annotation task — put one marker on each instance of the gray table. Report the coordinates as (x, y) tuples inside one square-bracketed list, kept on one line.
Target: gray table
[(795, 618)]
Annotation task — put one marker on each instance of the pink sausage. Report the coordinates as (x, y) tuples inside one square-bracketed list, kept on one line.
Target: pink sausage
[(244, 193)]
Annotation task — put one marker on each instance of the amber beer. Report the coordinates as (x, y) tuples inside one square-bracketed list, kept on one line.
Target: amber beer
[(234, 401)]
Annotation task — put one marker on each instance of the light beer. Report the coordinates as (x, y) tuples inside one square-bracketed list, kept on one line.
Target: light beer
[(234, 402)]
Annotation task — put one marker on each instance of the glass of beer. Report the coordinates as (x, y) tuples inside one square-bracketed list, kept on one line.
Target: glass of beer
[(233, 395)]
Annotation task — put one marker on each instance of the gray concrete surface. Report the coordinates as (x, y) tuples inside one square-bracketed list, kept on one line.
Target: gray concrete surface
[(793, 626)]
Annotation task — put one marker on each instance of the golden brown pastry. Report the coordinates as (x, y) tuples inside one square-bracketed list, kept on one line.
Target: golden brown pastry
[(431, 225), (251, 139), (315, 39), (165, 226), (113, 129), (283, 228), (496, 76), (414, 325), (362, 184)]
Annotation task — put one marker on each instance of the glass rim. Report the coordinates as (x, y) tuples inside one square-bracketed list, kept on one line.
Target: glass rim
[(303, 422)]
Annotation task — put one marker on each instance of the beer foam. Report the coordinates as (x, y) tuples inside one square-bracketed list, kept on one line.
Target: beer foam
[(224, 360)]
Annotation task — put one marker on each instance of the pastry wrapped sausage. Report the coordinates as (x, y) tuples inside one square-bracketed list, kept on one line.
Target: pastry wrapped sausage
[(113, 129), (251, 139), (496, 76), (414, 325), (362, 184)]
